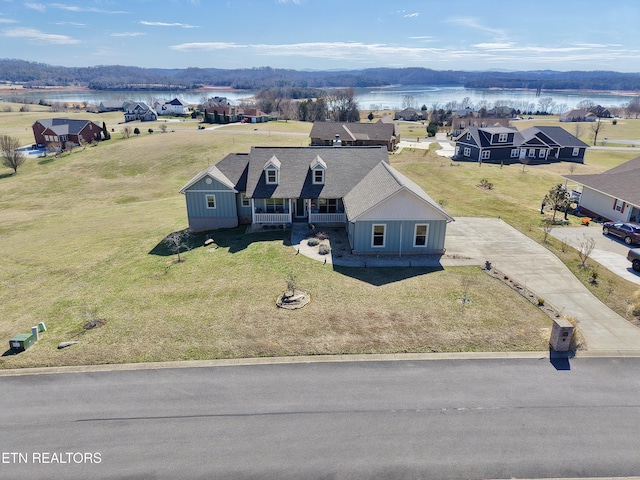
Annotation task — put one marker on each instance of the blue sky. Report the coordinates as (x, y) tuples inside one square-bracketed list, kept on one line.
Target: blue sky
[(326, 34)]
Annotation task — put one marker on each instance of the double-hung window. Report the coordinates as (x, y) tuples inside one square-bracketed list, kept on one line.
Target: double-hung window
[(420, 235), (211, 201), (378, 235)]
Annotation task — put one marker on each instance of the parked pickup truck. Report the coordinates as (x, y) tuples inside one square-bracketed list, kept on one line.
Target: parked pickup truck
[(634, 257)]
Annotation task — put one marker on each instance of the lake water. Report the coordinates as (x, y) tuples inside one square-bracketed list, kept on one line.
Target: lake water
[(368, 98)]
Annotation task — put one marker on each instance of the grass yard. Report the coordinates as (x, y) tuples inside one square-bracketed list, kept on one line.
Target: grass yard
[(80, 240), (516, 197)]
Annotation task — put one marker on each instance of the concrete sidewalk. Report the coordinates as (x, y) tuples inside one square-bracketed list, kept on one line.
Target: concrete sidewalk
[(541, 272)]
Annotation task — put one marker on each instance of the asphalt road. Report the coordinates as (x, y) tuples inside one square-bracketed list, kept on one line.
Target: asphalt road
[(439, 419)]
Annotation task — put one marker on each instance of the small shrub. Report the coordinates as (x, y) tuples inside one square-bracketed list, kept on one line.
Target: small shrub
[(324, 249), (486, 184), (312, 242), (322, 235), (540, 302)]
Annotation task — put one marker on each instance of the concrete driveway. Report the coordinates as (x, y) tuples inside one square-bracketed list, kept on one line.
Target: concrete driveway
[(476, 240), (610, 252)]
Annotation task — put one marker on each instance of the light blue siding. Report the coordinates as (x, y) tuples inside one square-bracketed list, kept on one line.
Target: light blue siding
[(225, 213), (399, 237)]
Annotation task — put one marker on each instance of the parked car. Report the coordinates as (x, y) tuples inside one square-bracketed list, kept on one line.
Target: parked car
[(628, 232), (634, 257)]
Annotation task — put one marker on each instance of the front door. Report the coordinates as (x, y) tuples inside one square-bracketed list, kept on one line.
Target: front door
[(301, 208)]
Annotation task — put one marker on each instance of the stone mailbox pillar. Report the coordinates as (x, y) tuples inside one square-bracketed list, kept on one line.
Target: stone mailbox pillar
[(561, 334)]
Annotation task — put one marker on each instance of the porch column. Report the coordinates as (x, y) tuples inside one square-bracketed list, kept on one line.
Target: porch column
[(253, 212), (290, 211)]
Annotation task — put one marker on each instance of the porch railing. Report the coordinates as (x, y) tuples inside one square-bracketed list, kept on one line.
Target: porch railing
[(271, 218), (327, 218)]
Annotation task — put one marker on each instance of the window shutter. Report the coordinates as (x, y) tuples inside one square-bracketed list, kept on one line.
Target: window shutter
[(623, 205), (615, 203)]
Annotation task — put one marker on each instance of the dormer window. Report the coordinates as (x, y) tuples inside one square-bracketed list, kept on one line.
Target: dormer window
[(272, 176), (318, 167), (272, 171), (502, 137)]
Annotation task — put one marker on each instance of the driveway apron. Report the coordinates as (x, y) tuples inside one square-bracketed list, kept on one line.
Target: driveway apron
[(541, 272)]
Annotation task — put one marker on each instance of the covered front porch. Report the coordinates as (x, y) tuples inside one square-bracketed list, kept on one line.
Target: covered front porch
[(289, 210)]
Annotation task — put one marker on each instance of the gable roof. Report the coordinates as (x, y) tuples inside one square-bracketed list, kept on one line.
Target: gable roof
[(382, 182), (482, 136), (620, 182), (345, 168), (65, 126), (557, 135), (353, 131), (230, 171)]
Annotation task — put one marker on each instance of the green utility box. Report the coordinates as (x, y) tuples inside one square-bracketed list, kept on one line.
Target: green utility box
[(21, 341)]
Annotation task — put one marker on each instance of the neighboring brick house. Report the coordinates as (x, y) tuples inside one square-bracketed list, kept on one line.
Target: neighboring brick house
[(56, 132), (355, 134), (139, 111), (508, 145), (223, 113)]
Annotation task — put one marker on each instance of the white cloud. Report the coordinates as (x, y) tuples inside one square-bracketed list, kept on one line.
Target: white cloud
[(204, 46), (33, 34), (127, 34), (75, 8), (36, 6), (74, 24), (411, 15), (469, 22), (6, 20), (164, 24)]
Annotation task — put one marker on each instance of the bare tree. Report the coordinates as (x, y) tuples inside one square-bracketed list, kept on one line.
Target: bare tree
[(578, 129), (163, 127), (177, 242), (547, 225), (409, 101), (546, 104), (11, 156), (586, 104), (68, 147), (585, 247), (596, 128), (126, 132)]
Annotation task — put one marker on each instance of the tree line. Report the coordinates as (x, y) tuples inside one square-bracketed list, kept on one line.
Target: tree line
[(119, 77)]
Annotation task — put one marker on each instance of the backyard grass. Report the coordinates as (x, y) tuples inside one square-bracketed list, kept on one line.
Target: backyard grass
[(81, 239)]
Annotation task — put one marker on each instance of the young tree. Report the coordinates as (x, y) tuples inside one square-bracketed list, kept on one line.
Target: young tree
[(126, 132), (11, 156), (596, 128), (136, 131), (585, 247), (370, 116), (177, 243), (558, 199)]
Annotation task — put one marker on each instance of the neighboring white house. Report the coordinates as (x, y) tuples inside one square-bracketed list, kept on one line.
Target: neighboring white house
[(611, 195), (174, 107)]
